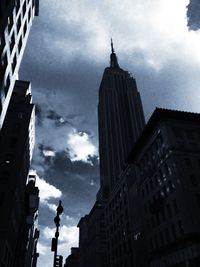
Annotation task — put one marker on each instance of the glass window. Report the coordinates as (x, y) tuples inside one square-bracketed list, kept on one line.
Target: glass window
[(175, 206), (7, 85), (4, 177), (169, 211), (2, 197), (12, 41), (188, 163), (19, 23), (180, 227), (161, 238), (167, 236), (193, 180), (173, 229)]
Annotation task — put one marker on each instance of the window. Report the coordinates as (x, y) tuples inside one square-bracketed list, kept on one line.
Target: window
[(4, 177), (170, 186), (193, 180), (166, 169), (175, 206), (10, 23), (19, 23), (13, 142), (161, 238), (156, 241), (180, 227), (16, 128), (163, 214), (151, 184), (20, 115), (20, 44), (167, 236), (17, 3), (156, 180), (2, 43), (188, 163), (169, 211), (7, 85), (147, 189), (8, 159), (173, 228), (29, 14), (198, 199), (2, 197), (14, 63), (25, 28), (178, 134), (24, 8), (12, 41)]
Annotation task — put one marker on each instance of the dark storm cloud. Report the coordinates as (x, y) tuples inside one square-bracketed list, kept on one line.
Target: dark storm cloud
[(73, 178), (59, 121), (193, 14)]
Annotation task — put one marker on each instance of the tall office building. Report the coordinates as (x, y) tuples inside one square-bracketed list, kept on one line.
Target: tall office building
[(18, 201), (121, 121), (150, 216), (18, 198), (167, 160), (15, 22)]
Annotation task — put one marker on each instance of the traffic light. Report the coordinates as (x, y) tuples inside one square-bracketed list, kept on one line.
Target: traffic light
[(58, 261), (53, 244)]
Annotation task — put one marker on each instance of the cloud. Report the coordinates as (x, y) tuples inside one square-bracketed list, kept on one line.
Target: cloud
[(193, 14), (48, 153), (46, 190), (68, 234), (68, 238), (80, 146), (42, 249)]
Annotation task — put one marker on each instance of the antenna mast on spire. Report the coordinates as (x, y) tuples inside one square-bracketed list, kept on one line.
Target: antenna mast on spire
[(113, 57), (112, 48)]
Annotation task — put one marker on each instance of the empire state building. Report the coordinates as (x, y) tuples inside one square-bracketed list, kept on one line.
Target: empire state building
[(121, 121)]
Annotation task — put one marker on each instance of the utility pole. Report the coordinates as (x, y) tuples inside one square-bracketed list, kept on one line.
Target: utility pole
[(57, 262)]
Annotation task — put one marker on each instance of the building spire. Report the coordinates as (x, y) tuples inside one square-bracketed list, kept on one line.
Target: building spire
[(113, 57), (112, 49)]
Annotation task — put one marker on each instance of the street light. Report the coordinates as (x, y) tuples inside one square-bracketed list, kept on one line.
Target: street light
[(57, 262)]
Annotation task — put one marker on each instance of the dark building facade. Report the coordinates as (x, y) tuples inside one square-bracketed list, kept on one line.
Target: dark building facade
[(18, 194), (92, 237), (167, 157), (31, 224), (73, 259), (15, 22), (18, 200)]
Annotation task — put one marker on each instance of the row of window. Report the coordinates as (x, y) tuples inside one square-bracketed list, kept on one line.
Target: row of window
[(166, 212), (186, 134), (157, 180), (155, 150), (168, 235)]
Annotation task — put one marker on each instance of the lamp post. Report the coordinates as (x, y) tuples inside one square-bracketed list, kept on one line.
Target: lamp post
[(57, 262)]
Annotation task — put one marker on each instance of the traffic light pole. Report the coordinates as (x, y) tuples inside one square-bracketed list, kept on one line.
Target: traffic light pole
[(57, 262)]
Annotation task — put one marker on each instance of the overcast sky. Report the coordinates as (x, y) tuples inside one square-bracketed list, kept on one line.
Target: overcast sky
[(67, 51)]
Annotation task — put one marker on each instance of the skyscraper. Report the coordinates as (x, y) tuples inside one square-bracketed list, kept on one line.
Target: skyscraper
[(15, 22), (121, 121), (18, 194), (107, 228), (16, 142)]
